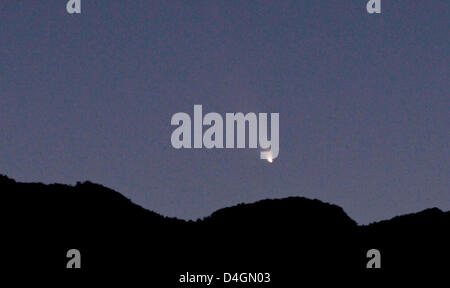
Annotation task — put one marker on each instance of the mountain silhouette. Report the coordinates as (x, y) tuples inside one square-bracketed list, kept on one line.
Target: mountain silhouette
[(281, 236)]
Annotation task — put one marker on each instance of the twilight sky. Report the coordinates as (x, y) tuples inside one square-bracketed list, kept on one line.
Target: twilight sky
[(363, 100)]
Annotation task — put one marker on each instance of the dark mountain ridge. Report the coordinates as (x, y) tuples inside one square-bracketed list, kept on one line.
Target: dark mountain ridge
[(113, 233)]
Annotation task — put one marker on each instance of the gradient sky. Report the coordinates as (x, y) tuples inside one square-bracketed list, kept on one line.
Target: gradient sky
[(363, 100)]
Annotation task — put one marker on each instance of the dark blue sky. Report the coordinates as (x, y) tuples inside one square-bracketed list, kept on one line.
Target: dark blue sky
[(363, 100)]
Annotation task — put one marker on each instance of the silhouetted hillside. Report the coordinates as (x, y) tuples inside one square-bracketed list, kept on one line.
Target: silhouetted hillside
[(281, 236)]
